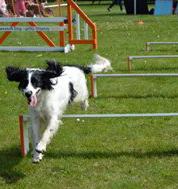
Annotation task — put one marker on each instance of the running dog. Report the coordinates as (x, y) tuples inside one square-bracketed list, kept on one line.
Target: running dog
[(49, 91)]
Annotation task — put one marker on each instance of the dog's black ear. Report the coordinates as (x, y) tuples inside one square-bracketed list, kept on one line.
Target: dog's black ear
[(46, 77), (54, 69), (15, 74)]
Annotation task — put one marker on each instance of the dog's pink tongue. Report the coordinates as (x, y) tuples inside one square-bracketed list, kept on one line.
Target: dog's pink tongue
[(33, 101)]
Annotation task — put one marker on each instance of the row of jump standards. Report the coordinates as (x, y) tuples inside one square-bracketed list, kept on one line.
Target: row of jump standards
[(25, 122), (148, 47), (62, 27)]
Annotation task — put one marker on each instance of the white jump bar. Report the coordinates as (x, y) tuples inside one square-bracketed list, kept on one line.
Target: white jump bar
[(32, 28), (26, 117), (120, 115), (31, 48), (32, 19), (54, 6), (152, 56), (159, 43), (138, 75)]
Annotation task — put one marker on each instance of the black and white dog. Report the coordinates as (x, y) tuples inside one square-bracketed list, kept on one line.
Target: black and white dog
[(49, 91)]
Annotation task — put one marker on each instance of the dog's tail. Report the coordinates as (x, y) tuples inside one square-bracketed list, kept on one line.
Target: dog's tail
[(100, 64)]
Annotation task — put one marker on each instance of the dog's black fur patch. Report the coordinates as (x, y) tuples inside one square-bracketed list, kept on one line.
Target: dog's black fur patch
[(73, 92), (85, 69), (15, 74), (40, 78), (23, 83), (18, 75), (54, 65)]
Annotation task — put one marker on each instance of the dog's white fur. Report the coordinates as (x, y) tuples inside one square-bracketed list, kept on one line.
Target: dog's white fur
[(48, 106), (52, 104)]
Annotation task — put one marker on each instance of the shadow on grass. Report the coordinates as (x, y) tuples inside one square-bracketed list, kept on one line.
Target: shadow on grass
[(112, 155), (9, 159)]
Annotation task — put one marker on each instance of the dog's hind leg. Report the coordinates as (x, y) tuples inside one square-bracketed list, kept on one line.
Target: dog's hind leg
[(84, 104)]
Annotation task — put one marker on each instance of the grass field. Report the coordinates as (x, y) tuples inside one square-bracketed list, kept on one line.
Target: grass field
[(131, 153)]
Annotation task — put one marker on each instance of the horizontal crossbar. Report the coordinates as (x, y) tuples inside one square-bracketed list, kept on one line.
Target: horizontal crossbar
[(161, 43), (32, 28), (31, 48), (26, 117), (32, 19), (119, 115), (152, 56), (54, 6), (138, 75)]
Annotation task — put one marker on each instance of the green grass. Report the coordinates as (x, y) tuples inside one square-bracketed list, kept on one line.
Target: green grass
[(133, 153)]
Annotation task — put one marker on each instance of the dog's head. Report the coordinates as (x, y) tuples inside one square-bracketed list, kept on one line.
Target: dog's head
[(33, 81)]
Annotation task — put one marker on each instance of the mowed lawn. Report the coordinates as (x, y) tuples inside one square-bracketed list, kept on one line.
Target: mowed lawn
[(131, 153)]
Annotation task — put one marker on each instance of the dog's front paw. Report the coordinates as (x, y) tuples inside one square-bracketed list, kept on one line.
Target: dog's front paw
[(37, 157), (40, 147)]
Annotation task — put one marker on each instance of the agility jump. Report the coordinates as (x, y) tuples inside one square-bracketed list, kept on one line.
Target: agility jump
[(65, 27), (93, 78), (25, 127), (148, 44), (130, 58)]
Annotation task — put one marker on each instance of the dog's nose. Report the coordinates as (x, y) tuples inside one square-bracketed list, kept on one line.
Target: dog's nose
[(28, 94)]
